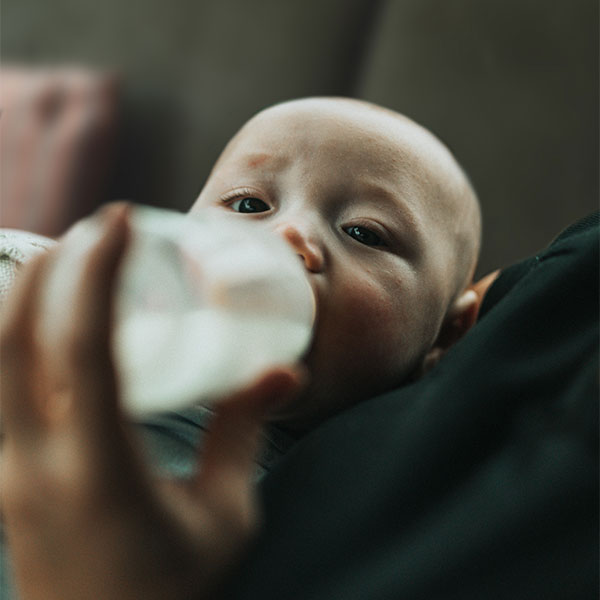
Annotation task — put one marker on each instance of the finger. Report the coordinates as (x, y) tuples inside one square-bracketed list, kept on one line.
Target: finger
[(228, 455), (20, 412), (90, 375)]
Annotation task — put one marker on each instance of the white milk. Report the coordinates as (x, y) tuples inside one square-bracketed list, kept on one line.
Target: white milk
[(203, 306), (174, 361)]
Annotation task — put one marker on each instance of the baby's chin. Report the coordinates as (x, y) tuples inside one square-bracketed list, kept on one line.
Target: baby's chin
[(329, 391), (310, 406)]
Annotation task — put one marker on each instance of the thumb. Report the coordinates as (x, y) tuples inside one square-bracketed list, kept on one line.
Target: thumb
[(225, 477)]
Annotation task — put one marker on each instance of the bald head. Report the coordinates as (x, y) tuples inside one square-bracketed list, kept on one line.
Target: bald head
[(451, 205)]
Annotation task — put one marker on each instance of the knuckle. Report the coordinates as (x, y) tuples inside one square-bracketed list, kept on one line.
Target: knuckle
[(31, 489), (82, 352), (14, 344), (242, 522), (10, 338), (18, 496), (83, 347)]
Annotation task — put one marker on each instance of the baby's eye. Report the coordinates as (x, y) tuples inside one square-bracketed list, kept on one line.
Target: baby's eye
[(249, 205), (364, 235)]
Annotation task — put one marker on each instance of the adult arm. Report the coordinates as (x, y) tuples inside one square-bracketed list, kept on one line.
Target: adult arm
[(83, 515)]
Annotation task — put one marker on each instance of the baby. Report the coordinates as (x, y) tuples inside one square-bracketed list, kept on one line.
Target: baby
[(388, 228), (387, 225)]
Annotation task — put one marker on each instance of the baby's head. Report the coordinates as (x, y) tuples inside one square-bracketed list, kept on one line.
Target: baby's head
[(386, 223)]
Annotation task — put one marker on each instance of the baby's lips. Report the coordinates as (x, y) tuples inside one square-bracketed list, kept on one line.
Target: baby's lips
[(314, 324), (315, 302)]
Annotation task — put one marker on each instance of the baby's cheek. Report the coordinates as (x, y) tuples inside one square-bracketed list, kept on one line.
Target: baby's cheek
[(361, 347), (371, 324)]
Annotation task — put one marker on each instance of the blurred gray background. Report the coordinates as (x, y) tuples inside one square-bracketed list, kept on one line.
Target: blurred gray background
[(510, 85)]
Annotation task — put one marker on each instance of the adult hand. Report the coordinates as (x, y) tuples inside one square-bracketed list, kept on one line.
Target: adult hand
[(84, 517)]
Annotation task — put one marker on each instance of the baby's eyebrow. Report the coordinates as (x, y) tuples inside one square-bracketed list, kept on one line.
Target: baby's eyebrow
[(404, 215), (380, 196)]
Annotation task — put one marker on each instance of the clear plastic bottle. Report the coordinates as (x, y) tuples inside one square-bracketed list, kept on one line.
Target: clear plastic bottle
[(203, 306)]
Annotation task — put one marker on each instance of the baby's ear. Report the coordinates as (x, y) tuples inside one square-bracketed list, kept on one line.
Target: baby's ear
[(461, 316)]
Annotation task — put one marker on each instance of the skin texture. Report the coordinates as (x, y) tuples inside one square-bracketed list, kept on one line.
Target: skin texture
[(83, 515), (389, 306)]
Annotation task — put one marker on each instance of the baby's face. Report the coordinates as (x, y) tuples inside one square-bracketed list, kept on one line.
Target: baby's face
[(354, 191)]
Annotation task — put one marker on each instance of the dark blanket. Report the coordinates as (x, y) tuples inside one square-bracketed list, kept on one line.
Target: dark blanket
[(480, 481)]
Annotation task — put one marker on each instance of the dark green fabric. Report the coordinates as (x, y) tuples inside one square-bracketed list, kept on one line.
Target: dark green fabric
[(480, 481)]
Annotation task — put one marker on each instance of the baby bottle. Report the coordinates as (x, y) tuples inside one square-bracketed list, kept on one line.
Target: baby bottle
[(204, 304)]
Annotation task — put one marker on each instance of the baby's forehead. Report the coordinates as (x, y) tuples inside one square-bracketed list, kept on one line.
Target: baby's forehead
[(351, 137), (329, 121)]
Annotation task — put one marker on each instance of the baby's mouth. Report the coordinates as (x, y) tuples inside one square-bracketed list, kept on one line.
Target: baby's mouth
[(316, 319)]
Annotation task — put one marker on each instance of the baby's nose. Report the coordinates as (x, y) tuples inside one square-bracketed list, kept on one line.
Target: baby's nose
[(310, 251)]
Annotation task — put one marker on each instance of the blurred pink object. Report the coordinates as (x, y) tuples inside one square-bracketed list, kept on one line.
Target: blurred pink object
[(56, 141)]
